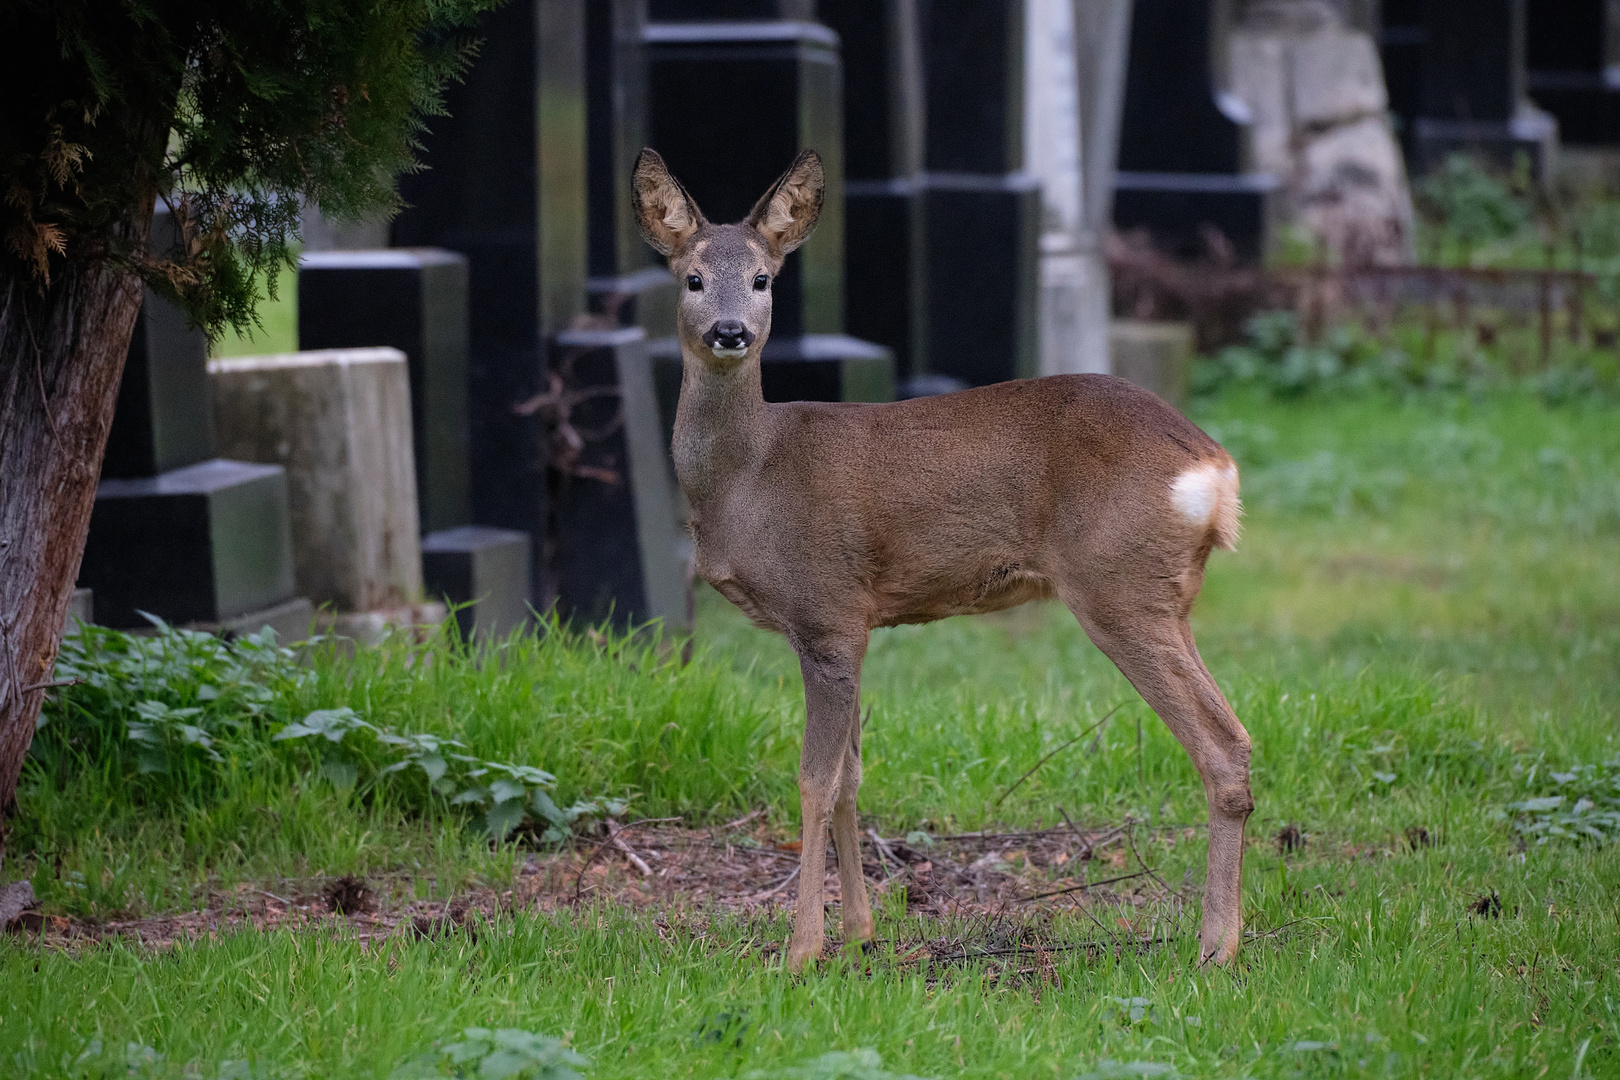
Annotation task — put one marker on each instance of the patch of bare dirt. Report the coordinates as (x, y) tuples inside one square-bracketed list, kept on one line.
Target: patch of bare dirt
[(984, 884)]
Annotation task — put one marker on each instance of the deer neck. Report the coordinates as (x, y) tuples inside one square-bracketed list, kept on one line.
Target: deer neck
[(720, 427)]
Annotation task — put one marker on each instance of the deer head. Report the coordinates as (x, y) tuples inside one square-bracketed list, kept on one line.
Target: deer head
[(725, 271)]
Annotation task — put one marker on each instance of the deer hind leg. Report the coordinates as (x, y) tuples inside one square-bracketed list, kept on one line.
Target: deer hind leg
[(1155, 651), (832, 680), (846, 834)]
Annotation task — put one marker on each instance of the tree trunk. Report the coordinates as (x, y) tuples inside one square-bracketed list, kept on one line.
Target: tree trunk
[(62, 352)]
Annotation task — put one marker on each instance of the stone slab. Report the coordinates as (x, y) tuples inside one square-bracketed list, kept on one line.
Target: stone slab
[(483, 573), (207, 542), (1154, 355), (339, 422)]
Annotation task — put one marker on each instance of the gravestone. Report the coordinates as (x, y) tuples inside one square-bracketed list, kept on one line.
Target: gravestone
[(413, 300), (933, 117), (207, 543), (1573, 59), (1154, 355), (505, 187), (616, 547), (1473, 96), (882, 125), (472, 568), (1181, 153), (177, 532), (625, 287), (339, 422), (979, 231), (776, 84)]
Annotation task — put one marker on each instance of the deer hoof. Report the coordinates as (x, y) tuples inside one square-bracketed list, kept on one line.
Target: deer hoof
[(800, 957)]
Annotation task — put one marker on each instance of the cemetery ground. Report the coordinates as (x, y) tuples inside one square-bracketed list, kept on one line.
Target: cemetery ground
[(1420, 628)]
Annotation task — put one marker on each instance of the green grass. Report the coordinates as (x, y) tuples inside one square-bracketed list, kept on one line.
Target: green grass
[(1422, 621)]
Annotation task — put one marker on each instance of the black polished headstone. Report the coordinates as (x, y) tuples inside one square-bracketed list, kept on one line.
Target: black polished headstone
[(1180, 169), (973, 85), (482, 572), (505, 186), (980, 263), (881, 294), (1473, 87), (205, 543), (729, 10), (1569, 74), (415, 300), (1401, 37), (616, 106), (882, 105), (614, 546), (164, 418), (176, 532), (976, 221)]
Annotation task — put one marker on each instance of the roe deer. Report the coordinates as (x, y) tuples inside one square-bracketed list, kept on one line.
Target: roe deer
[(822, 521)]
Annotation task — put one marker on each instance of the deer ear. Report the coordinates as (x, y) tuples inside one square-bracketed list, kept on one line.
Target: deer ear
[(664, 211), (786, 214)]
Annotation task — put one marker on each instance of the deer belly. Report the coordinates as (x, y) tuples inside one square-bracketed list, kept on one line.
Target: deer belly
[(919, 598)]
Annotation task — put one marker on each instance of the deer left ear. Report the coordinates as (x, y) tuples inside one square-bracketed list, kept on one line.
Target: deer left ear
[(786, 214)]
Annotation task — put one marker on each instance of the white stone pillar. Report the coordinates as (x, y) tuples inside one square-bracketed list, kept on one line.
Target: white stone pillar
[(1074, 88)]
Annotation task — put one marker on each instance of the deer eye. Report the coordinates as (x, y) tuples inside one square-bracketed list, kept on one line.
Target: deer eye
[(761, 282), (694, 283)]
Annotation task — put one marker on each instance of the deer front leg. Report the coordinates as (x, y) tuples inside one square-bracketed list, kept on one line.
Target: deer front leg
[(831, 697), (846, 832)]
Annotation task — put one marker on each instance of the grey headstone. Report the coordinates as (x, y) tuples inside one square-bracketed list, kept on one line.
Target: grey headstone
[(486, 570), (201, 544)]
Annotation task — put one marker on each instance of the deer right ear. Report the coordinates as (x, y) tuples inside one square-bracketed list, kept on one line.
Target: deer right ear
[(664, 211)]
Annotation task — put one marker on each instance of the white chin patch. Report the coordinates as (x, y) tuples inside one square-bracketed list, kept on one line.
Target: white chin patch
[(729, 354)]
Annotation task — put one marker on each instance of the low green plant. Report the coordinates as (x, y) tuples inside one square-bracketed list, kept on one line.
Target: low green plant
[(495, 1054), (1584, 805), (860, 1064)]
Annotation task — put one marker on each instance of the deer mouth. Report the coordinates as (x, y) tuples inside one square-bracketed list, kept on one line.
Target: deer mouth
[(729, 340)]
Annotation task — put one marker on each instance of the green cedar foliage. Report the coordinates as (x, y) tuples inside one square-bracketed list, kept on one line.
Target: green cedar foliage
[(235, 112)]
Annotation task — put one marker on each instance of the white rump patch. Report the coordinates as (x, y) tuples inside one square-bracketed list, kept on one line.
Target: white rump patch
[(1196, 492)]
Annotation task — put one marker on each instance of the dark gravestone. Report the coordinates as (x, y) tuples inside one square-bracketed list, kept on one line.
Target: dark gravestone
[(882, 112), (730, 10), (1401, 36), (1569, 74), (505, 186), (164, 418), (1473, 87), (942, 228), (614, 545), (1180, 156), (205, 543), (615, 108), (173, 533), (483, 572), (624, 284), (730, 106), (415, 300), (977, 219)]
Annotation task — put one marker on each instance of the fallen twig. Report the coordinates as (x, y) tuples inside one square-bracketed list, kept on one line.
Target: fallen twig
[(1082, 886)]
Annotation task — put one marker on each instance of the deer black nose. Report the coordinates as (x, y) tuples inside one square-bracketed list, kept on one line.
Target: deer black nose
[(729, 334)]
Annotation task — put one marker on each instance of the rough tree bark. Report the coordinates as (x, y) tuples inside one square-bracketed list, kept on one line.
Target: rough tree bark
[(62, 350)]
